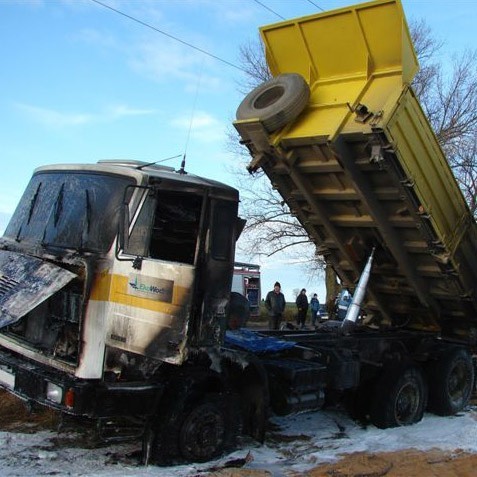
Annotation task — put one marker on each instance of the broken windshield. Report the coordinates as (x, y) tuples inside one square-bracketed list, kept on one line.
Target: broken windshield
[(69, 209)]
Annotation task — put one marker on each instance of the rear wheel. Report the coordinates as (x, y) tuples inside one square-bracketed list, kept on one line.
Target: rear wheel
[(400, 397), (451, 379)]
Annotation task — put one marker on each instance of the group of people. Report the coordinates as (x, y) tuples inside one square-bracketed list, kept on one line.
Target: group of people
[(275, 304), (303, 305)]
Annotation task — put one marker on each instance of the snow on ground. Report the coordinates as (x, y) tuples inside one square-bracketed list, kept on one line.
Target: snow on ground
[(295, 443)]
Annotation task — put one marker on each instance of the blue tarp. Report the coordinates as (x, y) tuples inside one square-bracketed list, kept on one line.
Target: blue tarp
[(251, 341)]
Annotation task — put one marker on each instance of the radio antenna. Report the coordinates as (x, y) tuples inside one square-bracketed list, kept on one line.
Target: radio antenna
[(182, 168)]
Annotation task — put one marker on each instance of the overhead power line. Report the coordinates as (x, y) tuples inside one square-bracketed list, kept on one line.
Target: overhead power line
[(190, 45), (269, 9), (315, 5)]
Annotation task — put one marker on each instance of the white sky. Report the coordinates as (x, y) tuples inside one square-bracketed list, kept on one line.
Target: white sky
[(81, 83)]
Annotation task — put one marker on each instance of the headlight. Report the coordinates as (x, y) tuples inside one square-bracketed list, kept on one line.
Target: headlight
[(54, 393)]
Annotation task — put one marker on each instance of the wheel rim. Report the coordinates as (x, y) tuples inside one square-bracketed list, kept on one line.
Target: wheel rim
[(202, 433), (407, 404), (269, 97)]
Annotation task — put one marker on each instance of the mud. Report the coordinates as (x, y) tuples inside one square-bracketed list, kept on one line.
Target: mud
[(409, 463)]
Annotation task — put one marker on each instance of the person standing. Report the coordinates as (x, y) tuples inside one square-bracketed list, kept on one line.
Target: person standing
[(302, 305), (315, 309), (275, 304)]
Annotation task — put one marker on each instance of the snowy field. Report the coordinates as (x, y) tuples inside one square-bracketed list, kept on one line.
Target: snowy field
[(295, 443)]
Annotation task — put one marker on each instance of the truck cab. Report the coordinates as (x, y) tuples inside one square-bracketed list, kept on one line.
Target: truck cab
[(113, 276)]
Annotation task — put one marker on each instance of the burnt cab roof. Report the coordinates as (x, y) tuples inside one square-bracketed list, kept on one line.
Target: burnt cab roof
[(147, 173)]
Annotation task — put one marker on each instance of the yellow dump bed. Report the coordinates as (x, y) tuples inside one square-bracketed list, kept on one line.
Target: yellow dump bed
[(361, 167)]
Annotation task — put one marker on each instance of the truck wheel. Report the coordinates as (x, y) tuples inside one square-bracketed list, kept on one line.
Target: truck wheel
[(400, 397), (196, 430), (276, 102), (205, 432), (451, 379)]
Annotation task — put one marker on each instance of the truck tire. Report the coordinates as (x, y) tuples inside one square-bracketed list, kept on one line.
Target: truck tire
[(206, 432), (276, 102), (195, 430), (451, 380), (400, 397)]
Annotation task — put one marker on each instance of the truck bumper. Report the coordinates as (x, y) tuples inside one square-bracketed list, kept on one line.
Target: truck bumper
[(33, 382)]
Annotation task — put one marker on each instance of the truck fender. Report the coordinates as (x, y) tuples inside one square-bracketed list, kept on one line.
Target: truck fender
[(276, 102)]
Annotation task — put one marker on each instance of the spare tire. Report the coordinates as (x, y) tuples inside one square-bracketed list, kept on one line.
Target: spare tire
[(276, 102)]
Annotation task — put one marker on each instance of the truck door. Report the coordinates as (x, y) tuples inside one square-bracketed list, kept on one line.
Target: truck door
[(153, 281)]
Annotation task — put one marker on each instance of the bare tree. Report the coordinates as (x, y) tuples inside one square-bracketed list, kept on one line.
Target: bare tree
[(449, 99), (252, 60), (450, 102), (271, 228), (463, 161), (427, 48)]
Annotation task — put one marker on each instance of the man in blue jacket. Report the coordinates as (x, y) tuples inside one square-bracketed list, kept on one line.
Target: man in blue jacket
[(315, 309)]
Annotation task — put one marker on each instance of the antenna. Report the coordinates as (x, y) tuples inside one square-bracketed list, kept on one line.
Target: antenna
[(182, 169), (148, 164)]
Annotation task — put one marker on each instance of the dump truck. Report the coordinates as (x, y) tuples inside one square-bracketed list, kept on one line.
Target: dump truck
[(342, 138), (115, 278)]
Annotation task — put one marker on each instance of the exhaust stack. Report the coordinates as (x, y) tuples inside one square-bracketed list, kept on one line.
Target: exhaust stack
[(358, 295)]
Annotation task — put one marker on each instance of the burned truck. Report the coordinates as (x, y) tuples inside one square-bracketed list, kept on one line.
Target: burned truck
[(115, 296), (115, 293)]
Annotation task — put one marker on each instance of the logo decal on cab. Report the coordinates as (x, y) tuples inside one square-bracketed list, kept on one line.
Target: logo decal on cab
[(150, 287)]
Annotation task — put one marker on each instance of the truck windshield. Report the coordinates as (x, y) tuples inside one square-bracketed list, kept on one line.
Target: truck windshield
[(69, 209)]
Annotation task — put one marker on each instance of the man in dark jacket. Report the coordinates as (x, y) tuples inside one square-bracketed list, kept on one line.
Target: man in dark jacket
[(302, 305), (275, 304)]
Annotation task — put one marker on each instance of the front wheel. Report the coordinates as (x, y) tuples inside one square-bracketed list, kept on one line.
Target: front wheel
[(204, 432), (400, 397), (197, 429)]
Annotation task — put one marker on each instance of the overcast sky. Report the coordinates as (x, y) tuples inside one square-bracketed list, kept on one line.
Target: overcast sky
[(80, 82)]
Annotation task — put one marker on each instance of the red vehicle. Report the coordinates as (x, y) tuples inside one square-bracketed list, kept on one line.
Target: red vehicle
[(246, 281)]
